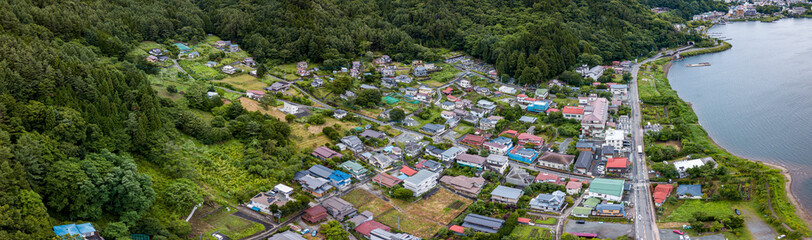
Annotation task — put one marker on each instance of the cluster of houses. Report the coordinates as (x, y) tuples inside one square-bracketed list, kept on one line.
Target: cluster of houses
[(226, 46), (156, 55)]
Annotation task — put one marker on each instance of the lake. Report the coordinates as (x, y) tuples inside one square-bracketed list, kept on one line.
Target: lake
[(755, 99)]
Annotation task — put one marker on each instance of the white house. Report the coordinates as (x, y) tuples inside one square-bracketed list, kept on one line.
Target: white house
[(421, 182), (615, 138), (507, 90)]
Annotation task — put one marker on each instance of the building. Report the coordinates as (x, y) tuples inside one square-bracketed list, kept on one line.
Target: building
[(287, 235), (353, 143), (469, 160), (451, 154), (542, 93), (421, 182), (314, 185), (323, 153), (594, 72), (583, 164), (354, 169), (607, 189), (403, 79), (481, 223), (380, 234), (338, 208), (581, 212), (525, 138), (549, 178), (521, 154), (684, 165), (661, 193), (340, 180), (595, 116), (687, 191), (414, 148), (469, 186), (571, 112), (506, 195), (254, 94), (229, 69), (381, 161), (549, 202), (615, 138), (386, 180), (430, 165), (85, 230), (420, 71), (619, 89), (369, 133), (538, 106), (519, 177), (610, 210), (473, 141), (315, 214), (361, 218), (432, 129), (407, 170), (591, 202), (556, 160), (617, 166), (262, 201), (463, 104), (574, 187), (367, 227), (497, 163), (528, 119), (339, 114)]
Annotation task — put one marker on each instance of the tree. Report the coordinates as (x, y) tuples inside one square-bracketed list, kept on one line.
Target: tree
[(290, 117), (368, 98), (116, 230), (332, 230), (571, 78), (171, 89), (402, 193), (182, 195), (397, 115)]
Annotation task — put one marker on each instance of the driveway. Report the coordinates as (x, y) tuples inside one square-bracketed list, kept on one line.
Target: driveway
[(604, 230), (668, 234), (757, 226)]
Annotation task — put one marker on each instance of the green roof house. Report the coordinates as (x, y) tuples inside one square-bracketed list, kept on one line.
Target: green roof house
[(541, 93), (591, 202), (183, 48), (355, 169), (581, 212), (607, 189)]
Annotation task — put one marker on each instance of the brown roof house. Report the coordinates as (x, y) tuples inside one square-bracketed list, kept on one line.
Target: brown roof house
[(338, 208), (315, 214), (469, 186), (386, 180), (556, 160)]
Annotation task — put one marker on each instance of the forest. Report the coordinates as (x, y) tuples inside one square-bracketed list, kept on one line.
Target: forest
[(79, 120)]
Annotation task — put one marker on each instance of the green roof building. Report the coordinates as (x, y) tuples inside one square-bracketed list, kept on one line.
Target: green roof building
[(541, 93), (355, 169), (591, 202), (581, 212), (607, 189)]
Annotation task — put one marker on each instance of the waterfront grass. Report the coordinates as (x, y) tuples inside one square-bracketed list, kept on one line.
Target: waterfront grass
[(686, 211), (724, 46)]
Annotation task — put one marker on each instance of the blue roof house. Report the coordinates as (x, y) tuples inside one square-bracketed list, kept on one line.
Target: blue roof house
[(689, 191), (340, 179), (183, 48), (538, 106), (85, 230), (521, 154)]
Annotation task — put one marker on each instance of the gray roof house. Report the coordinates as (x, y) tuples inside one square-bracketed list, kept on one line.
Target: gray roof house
[(689, 191), (434, 151), (481, 223), (314, 185), (381, 234), (338, 208), (353, 143), (506, 195), (360, 218), (519, 177), (584, 162), (414, 148), (430, 165), (287, 235), (432, 128), (369, 133), (381, 160), (421, 182), (549, 202), (320, 171)]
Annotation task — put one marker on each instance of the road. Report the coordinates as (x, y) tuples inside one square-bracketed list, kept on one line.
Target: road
[(515, 164)]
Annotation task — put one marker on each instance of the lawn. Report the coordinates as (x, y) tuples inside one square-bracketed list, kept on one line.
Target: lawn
[(232, 226), (684, 213), (409, 223), (359, 197), (561, 102), (201, 72), (244, 82), (530, 232), (548, 221), (448, 73), (148, 45)]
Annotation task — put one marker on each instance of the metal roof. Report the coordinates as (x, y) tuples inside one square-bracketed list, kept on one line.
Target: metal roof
[(507, 192)]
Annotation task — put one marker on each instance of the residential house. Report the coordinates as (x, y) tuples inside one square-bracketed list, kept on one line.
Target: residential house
[(353, 143), (193, 54), (382, 60), (182, 47), (607, 189), (539, 106), (403, 79), (583, 164), (447, 114), (380, 234), (85, 231), (470, 160), (468, 186), (527, 119), (479, 112), (485, 104), (414, 148), (507, 90), (420, 71), (368, 87), (549, 202), (432, 129), (280, 86), (585, 146), (619, 89), (435, 152), (249, 61), (452, 122), (521, 154), (489, 122), (617, 165), (525, 138), (340, 180), (227, 69), (684, 165), (386, 180), (220, 44), (451, 154), (610, 210), (556, 160), (323, 153), (369, 133), (407, 170), (542, 93), (473, 141), (606, 151), (447, 105), (574, 187), (388, 82), (410, 122), (549, 178), (591, 202), (422, 97), (571, 112), (430, 165), (410, 91), (355, 169), (594, 72), (483, 91), (315, 214), (234, 48), (361, 218), (425, 89), (481, 223), (463, 104), (687, 191), (387, 72), (320, 171), (152, 59), (595, 116), (615, 138), (581, 212), (212, 94), (287, 235), (421, 182), (366, 228), (381, 161), (315, 185), (430, 67), (338, 208), (211, 64), (506, 195), (464, 83), (519, 177), (156, 52), (254, 94), (339, 114), (497, 163), (661, 193), (499, 145)]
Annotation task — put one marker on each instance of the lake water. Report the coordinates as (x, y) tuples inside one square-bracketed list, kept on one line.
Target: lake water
[(755, 99)]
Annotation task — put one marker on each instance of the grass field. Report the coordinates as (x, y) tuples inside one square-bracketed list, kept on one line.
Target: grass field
[(199, 71), (365, 201), (409, 223), (448, 73), (530, 232), (232, 226), (148, 45), (561, 102), (244, 82), (685, 212), (438, 208), (548, 221)]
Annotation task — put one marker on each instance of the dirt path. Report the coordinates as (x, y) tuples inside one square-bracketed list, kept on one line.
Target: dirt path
[(757, 227), (800, 211)]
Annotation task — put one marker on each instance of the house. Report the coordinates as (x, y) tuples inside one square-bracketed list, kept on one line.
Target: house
[(249, 61), (506, 195), (447, 105), (615, 138), (525, 138), (469, 160), (368, 87), (497, 163), (457, 229), (451, 153), (355, 169), (581, 212), (340, 180), (320, 171), (489, 122), (538, 106), (483, 91), (473, 141), (315, 185), (469, 186), (220, 44), (234, 48), (434, 151), (583, 164), (610, 210), (497, 147), (420, 71), (585, 146), (591, 202), (687, 191), (211, 64), (607, 189), (507, 90), (227, 69), (388, 82), (519, 177), (280, 86), (339, 114), (387, 72), (425, 89), (193, 54), (361, 218), (156, 52), (287, 235), (152, 59), (315, 214), (479, 112), (182, 47), (556, 160), (407, 170), (85, 231), (254, 94), (447, 114), (403, 79), (619, 89), (386, 180), (381, 161), (163, 58), (421, 182), (422, 97), (485, 104), (684, 165), (413, 148), (463, 104), (410, 122), (338, 208), (353, 143), (549, 178), (410, 91), (661, 193), (430, 165), (212, 94), (369, 133), (549, 202), (574, 187), (380, 234), (521, 154), (481, 223), (542, 93), (527, 119), (571, 112), (594, 72), (324, 153), (294, 109), (595, 116), (617, 165), (606, 151), (432, 129), (382, 60), (464, 83), (366, 228)]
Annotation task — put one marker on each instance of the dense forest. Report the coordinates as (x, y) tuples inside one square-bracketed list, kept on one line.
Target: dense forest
[(77, 111)]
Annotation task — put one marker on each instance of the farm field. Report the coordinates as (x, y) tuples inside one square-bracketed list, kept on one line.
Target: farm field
[(232, 226), (530, 232), (244, 82), (199, 71), (365, 201), (685, 212)]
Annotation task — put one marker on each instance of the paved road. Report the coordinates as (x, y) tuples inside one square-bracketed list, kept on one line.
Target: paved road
[(645, 225), (514, 164)]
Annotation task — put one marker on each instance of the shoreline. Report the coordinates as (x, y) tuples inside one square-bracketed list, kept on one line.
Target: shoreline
[(802, 213)]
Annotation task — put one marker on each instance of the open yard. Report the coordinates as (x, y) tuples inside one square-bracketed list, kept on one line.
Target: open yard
[(232, 226), (201, 72), (685, 211), (244, 82), (531, 232), (443, 207), (365, 201), (409, 223)]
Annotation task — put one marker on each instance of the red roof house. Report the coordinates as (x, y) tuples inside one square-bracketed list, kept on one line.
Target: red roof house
[(407, 170), (661, 193), (553, 110), (473, 140), (386, 180), (457, 229), (525, 138), (523, 220), (325, 153), (617, 165), (549, 178), (315, 214), (573, 110), (512, 133), (367, 227)]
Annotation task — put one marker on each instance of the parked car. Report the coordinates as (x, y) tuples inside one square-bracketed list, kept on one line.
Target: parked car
[(580, 222), (307, 230), (314, 233), (679, 232), (738, 212)]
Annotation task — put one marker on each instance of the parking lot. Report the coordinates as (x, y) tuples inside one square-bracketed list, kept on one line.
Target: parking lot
[(604, 230), (668, 234)]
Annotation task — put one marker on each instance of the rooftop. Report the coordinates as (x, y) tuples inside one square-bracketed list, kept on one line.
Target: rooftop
[(606, 186), (507, 192)]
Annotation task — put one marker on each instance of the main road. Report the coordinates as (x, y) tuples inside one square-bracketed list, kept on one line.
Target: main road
[(645, 223)]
